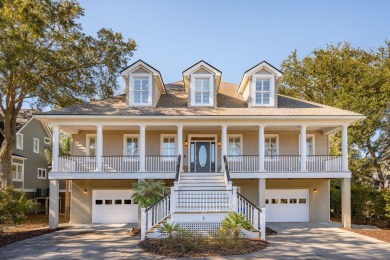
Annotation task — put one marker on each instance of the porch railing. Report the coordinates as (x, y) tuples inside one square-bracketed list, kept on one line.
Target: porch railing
[(282, 163), (76, 163), (160, 163), (243, 163), (120, 163)]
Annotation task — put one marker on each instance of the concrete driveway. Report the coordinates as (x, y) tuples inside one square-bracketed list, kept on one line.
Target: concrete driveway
[(294, 240)]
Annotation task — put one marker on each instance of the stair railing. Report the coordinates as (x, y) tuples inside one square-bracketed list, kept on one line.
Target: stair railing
[(252, 213), (155, 214), (228, 180)]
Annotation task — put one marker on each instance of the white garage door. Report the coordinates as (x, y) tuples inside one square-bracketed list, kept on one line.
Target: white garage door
[(113, 207), (287, 205)]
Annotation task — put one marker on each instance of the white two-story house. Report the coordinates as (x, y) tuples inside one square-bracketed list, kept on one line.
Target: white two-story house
[(220, 147)]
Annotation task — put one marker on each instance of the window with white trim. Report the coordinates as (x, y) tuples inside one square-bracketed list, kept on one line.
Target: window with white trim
[(271, 145), (141, 90), (310, 144), (42, 173), (131, 145), (47, 140), (263, 90), (91, 145), (202, 91), (19, 141), (235, 145), (17, 172), (168, 145), (36, 145)]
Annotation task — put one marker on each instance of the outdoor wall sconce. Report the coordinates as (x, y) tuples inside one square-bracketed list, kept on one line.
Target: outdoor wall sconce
[(315, 190), (186, 142), (85, 192), (219, 142)]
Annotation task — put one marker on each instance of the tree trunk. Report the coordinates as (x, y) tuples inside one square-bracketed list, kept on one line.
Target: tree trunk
[(67, 202)]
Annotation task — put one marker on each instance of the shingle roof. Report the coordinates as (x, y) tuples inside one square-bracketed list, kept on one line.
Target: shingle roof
[(175, 103)]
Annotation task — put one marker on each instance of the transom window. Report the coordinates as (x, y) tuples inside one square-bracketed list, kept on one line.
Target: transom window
[(19, 141), (168, 145), (91, 145), (271, 145), (235, 145), (36, 145), (141, 90), (131, 147), (17, 172), (42, 173), (263, 91), (202, 91)]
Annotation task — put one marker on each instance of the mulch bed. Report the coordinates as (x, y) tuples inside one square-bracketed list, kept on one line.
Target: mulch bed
[(134, 232), (10, 237), (381, 234), (157, 246)]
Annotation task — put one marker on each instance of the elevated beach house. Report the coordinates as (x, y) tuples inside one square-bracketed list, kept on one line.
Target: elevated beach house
[(221, 147)]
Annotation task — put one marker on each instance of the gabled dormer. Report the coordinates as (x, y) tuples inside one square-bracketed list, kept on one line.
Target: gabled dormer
[(201, 82), (144, 84), (259, 85)]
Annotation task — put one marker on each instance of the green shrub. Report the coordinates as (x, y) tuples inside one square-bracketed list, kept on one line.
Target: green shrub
[(148, 192), (169, 228), (184, 241), (386, 198), (234, 222), (14, 207)]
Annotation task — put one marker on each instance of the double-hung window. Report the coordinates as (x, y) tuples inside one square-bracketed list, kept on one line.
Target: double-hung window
[(141, 90), (263, 91), (130, 145), (235, 145), (168, 146), (42, 173), (17, 172), (202, 91), (271, 146), (310, 144), (19, 141), (36, 145), (91, 145)]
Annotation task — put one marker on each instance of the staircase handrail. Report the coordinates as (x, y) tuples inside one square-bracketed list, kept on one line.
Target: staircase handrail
[(178, 167), (227, 173), (248, 201), (163, 198)]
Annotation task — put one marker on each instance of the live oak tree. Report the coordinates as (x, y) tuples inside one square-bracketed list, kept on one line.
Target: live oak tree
[(46, 57), (353, 79)]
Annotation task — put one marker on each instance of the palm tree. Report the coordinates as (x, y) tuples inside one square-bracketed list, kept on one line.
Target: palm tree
[(169, 228), (148, 192), (234, 222)]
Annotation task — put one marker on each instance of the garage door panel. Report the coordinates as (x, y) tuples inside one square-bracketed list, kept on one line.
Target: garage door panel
[(113, 207), (287, 205)]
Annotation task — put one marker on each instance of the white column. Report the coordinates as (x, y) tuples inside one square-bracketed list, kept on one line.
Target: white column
[(223, 145), (99, 147), (346, 202), (56, 148), (142, 148), (344, 145), (143, 224), (261, 148), (262, 223), (262, 187), (54, 203), (303, 147), (180, 144)]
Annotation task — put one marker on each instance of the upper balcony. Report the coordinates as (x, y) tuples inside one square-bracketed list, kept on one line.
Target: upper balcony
[(151, 152)]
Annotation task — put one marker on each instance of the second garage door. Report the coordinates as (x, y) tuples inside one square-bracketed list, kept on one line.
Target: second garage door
[(287, 205), (113, 207)]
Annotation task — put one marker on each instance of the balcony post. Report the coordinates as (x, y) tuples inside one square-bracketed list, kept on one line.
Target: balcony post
[(223, 145), (303, 148), (56, 148), (180, 144), (262, 188), (54, 204), (261, 148), (99, 147), (344, 144), (142, 148), (346, 202)]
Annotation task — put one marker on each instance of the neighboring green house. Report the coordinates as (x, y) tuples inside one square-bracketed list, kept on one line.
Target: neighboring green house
[(29, 167)]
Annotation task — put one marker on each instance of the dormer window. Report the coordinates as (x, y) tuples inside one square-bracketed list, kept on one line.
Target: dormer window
[(141, 90), (263, 90), (202, 91)]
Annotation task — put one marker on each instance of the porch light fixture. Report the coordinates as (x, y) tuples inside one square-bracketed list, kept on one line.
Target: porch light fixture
[(186, 142), (315, 190), (219, 142), (85, 191)]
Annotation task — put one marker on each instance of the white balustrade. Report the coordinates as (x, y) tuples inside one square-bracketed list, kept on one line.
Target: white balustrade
[(120, 163), (327, 163), (160, 163), (155, 214), (282, 163), (76, 164), (202, 201), (243, 163)]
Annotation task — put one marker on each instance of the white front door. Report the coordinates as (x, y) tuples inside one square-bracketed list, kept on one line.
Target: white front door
[(287, 205), (113, 207)]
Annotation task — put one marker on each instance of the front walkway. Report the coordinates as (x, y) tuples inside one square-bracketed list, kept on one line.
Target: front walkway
[(294, 240)]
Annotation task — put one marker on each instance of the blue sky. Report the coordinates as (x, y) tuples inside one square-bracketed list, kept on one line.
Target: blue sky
[(235, 35)]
